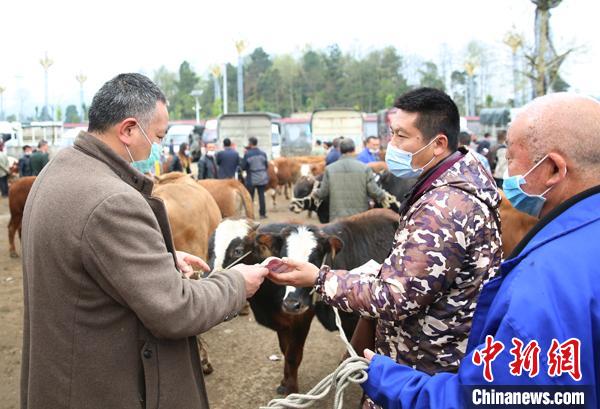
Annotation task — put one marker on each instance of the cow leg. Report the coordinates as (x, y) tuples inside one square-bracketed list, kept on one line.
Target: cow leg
[(286, 190), (274, 197), (293, 341), (207, 367), (12, 230)]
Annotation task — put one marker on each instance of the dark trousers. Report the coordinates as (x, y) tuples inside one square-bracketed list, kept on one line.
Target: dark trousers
[(261, 199), (4, 186)]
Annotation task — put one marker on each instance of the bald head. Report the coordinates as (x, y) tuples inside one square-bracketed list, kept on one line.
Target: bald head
[(565, 123)]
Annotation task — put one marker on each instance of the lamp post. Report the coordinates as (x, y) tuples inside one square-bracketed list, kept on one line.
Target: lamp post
[(470, 67), (240, 46), (46, 64), (514, 41), (216, 73), (2, 89), (81, 78), (225, 110), (197, 93)]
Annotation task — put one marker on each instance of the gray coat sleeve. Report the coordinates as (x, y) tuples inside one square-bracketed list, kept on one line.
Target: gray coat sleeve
[(323, 191), (373, 190), (124, 250)]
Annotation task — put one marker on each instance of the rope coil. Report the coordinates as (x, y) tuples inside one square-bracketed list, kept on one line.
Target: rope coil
[(352, 370)]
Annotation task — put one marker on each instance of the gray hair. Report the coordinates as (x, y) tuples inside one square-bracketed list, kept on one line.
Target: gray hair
[(346, 146), (124, 96), (566, 123)]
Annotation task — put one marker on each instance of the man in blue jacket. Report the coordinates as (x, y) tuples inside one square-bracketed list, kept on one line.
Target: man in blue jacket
[(371, 151), (228, 160), (537, 325)]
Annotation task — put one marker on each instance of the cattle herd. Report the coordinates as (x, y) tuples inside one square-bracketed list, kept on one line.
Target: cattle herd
[(214, 219)]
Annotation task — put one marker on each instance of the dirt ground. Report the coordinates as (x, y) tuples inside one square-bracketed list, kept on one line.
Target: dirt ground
[(244, 376)]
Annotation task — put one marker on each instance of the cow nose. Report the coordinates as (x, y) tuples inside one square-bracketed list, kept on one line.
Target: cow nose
[(291, 305)]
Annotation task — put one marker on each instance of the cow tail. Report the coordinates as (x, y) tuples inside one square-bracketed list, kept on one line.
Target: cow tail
[(246, 201)]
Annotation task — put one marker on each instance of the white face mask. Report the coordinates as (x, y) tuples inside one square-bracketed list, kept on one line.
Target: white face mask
[(210, 153)]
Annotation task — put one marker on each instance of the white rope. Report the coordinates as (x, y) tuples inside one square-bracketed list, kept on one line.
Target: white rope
[(352, 370)]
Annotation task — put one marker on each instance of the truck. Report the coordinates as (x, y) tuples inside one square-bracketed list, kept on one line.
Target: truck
[(328, 124), (296, 137), (264, 126)]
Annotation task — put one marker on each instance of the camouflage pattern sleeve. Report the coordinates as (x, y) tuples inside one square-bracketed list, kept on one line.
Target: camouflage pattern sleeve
[(429, 251)]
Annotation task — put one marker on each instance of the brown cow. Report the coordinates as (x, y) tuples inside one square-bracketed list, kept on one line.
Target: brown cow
[(231, 196), (193, 213), (17, 196), (515, 225), (288, 171)]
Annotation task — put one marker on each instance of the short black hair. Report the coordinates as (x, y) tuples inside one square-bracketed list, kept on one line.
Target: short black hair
[(227, 142), (370, 138), (126, 95), (464, 138), (437, 113), (252, 141), (318, 142), (347, 146), (501, 135), (26, 147), (487, 135)]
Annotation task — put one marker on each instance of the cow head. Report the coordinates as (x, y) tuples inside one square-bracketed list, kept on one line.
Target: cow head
[(305, 243)]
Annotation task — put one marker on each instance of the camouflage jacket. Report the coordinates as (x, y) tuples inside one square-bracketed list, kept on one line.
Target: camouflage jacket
[(446, 247)]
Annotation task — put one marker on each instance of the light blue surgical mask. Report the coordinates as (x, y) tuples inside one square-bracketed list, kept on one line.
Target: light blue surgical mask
[(146, 165), (521, 200), (400, 161)]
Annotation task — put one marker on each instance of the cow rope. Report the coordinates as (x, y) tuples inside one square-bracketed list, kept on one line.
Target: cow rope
[(352, 370)]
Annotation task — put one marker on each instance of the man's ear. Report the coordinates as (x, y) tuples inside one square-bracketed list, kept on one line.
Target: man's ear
[(559, 169), (440, 146), (125, 130)]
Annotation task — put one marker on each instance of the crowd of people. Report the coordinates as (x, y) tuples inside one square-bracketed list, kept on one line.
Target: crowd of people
[(107, 296)]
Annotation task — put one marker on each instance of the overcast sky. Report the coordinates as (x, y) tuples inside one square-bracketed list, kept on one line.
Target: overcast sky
[(107, 37)]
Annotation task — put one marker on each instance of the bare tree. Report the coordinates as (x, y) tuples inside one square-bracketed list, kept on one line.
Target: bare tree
[(544, 61)]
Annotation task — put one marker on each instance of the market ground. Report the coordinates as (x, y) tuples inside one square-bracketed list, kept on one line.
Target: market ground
[(241, 351)]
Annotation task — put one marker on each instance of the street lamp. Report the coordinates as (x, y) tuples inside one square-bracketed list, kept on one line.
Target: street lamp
[(514, 41), (81, 78), (2, 89), (216, 73), (240, 46), (197, 93), (470, 67), (46, 64)]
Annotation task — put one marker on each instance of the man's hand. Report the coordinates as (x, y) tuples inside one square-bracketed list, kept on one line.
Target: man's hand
[(186, 263), (298, 274), (368, 354), (253, 275)]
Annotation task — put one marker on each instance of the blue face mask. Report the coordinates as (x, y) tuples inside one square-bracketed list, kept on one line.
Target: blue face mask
[(400, 161), (146, 165), (521, 200)]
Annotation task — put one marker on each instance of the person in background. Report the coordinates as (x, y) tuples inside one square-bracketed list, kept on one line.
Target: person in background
[(228, 161), (255, 163), (483, 147), (181, 162), (334, 153), (500, 161), (39, 158), (207, 165), (464, 139), (4, 171), (318, 149), (25, 162), (371, 151), (349, 184)]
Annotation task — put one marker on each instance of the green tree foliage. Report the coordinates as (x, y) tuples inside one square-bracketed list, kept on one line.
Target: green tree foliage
[(430, 76), (287, 83), (72, 115)]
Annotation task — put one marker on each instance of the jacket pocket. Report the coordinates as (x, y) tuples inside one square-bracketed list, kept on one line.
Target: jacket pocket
[(149, 355)]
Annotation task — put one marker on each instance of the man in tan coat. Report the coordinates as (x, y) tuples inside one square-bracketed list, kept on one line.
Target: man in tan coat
[(110, 316)]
